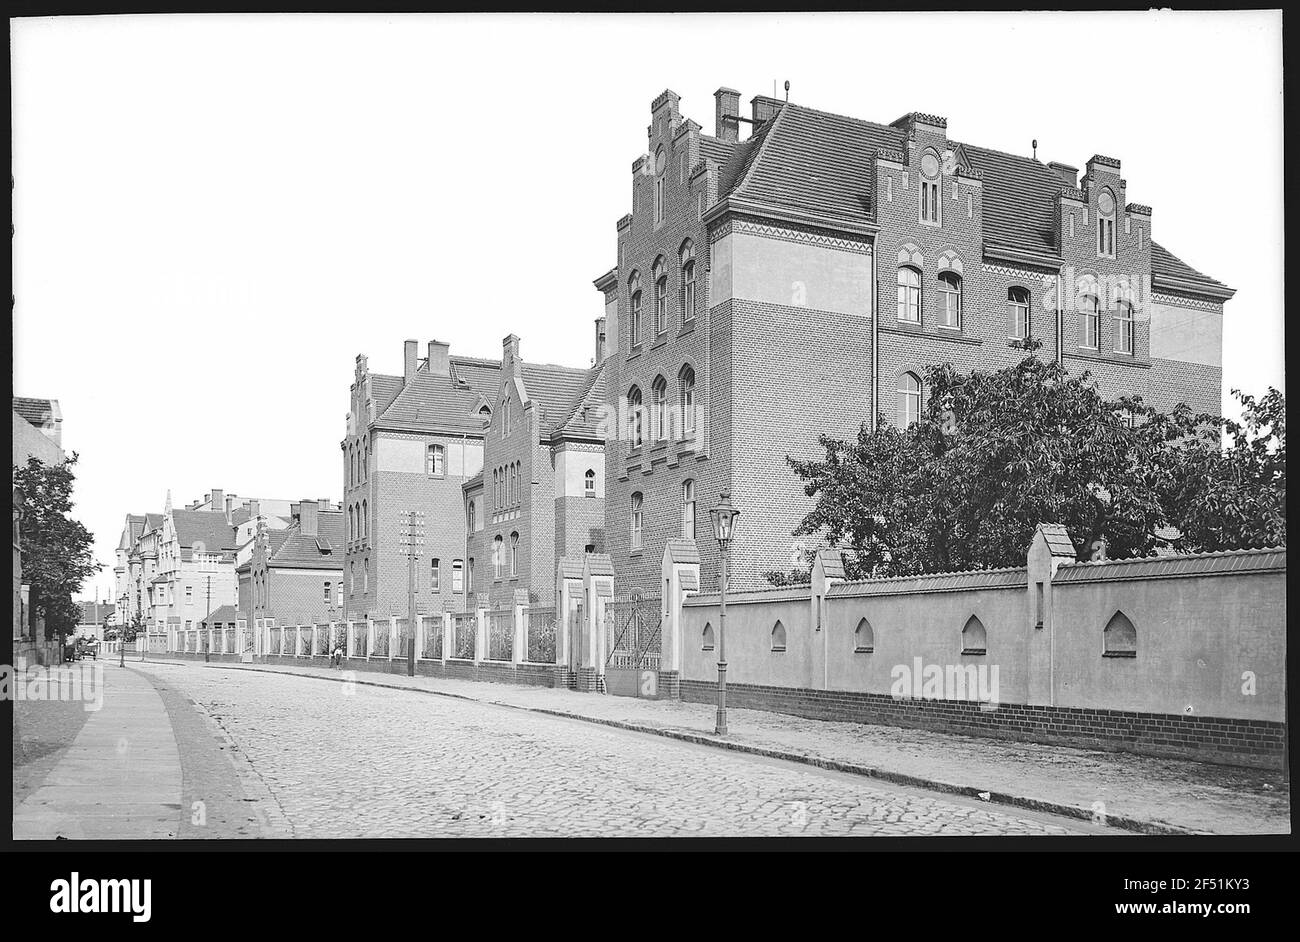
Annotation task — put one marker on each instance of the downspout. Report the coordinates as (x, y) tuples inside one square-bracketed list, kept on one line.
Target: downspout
[(875, 342)]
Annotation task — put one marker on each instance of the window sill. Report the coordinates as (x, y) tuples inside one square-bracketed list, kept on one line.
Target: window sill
[(687, 328), (1131, 654), (660, 341), (974, 652), (863, 650)]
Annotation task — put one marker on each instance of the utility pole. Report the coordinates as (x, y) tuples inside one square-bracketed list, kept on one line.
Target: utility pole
[(208, 633), (412, 539)]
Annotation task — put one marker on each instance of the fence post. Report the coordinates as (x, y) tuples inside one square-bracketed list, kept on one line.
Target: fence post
[(481, 632), (519, 654), (448, 635), (680, 577)]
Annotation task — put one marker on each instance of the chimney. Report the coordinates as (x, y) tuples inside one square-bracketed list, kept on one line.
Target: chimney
[(218, 500), (600, 340), (509, 349), (727, 106), (409, 360), (1069, 175), (439, 358), (764, 108), (254, 509), (307, 518)]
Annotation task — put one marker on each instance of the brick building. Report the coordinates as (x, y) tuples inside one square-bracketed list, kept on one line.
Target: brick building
[(541, 494), (799, 281), (412, 441), (295, 575)]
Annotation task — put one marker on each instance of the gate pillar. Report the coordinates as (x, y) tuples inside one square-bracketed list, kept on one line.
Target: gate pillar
[(598, 589), (680, 578)]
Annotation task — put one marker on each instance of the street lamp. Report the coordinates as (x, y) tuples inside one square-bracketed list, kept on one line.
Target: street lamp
[(724, 525)]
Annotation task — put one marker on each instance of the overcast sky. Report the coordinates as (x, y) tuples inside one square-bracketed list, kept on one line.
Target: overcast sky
[(216, 214)]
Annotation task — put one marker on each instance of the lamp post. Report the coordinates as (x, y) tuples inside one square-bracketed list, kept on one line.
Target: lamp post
[(412, 541), (724, 523)]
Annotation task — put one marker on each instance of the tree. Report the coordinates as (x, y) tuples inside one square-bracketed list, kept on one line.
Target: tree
[(56, 549), (995, 453)]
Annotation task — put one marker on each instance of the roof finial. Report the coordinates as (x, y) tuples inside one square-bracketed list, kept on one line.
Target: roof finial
[(1035, 142), (787, 90)]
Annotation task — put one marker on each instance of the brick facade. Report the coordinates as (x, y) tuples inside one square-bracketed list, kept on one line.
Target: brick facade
[(797, 235)]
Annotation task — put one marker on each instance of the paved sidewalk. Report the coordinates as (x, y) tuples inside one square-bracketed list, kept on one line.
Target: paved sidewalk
[(1133, 792), (119, 779)]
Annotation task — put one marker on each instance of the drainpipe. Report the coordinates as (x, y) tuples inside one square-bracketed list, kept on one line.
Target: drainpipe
[(875, 342)]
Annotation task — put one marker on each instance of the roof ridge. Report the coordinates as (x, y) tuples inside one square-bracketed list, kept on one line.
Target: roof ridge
[(935, 575)]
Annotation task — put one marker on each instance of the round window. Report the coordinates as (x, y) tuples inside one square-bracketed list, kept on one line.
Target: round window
[(930, 165), (661, 160), (1106, 203)]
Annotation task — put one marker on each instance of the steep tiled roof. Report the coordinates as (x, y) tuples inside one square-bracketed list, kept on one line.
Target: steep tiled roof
[(815, 162), (383, 389), (208, 526), (430, 400), (481, 375), (296, 551), (555, 390), (225, 615), (584, 412), (1232, 562), (1019, 199), (35, 411), (819, 163), (1058, 539), (1171, 272), (94, 613)]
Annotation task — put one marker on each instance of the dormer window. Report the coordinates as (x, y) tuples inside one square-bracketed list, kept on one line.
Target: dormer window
[(1106, 224), (930, 203)]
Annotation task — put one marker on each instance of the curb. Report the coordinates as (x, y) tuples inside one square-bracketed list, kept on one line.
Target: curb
[(1120, 822)]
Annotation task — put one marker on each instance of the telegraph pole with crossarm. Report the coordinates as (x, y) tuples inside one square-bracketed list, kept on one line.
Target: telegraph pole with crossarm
[(412, 540)]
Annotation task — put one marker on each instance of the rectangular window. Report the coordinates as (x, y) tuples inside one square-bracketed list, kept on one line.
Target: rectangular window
[(1088, 324), (659, 200), (457, 575), (189, 595), (1038, 605), (635, 529), (929, 201), (435, 575), (1018, 301)]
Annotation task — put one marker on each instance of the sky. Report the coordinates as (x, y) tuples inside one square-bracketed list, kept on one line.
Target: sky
[(215, 214)]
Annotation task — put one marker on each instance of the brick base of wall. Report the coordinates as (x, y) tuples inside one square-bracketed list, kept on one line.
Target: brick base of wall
[(1254, 743), (587, 679)]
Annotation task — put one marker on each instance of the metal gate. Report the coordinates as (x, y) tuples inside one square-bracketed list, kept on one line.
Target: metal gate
[(632, 642)]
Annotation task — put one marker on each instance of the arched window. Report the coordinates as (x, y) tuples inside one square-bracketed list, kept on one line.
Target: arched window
[(706, 638), (661, 160), (505, 416), (435, 461), (864, 639), (661, 296), (974, 639), (1124, 328), (1106, 224), (1119, 638), (634, 294), (659, 409), (634, 417), (909, 295), (950, 300), (686, 384), (1018, 311), (471, 517), (688, 509), (634, 528), (778, 637), (365, 520), (688, 281), (1089, 315), (909, 399), (497, 553), (514, 555), (589, 483), (352, 523)]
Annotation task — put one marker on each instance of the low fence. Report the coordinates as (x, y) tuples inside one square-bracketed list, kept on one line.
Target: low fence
[(501, 635), (540, 633), (464, 628)]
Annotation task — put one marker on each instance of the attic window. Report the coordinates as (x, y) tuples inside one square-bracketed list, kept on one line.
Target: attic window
[(324, 546)]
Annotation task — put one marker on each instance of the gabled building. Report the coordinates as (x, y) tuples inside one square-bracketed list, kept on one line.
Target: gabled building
[(412, 441), (541, 494), (799, 281), (295, 575)]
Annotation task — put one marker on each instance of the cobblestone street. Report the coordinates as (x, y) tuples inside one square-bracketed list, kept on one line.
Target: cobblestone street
[(334, 760)]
